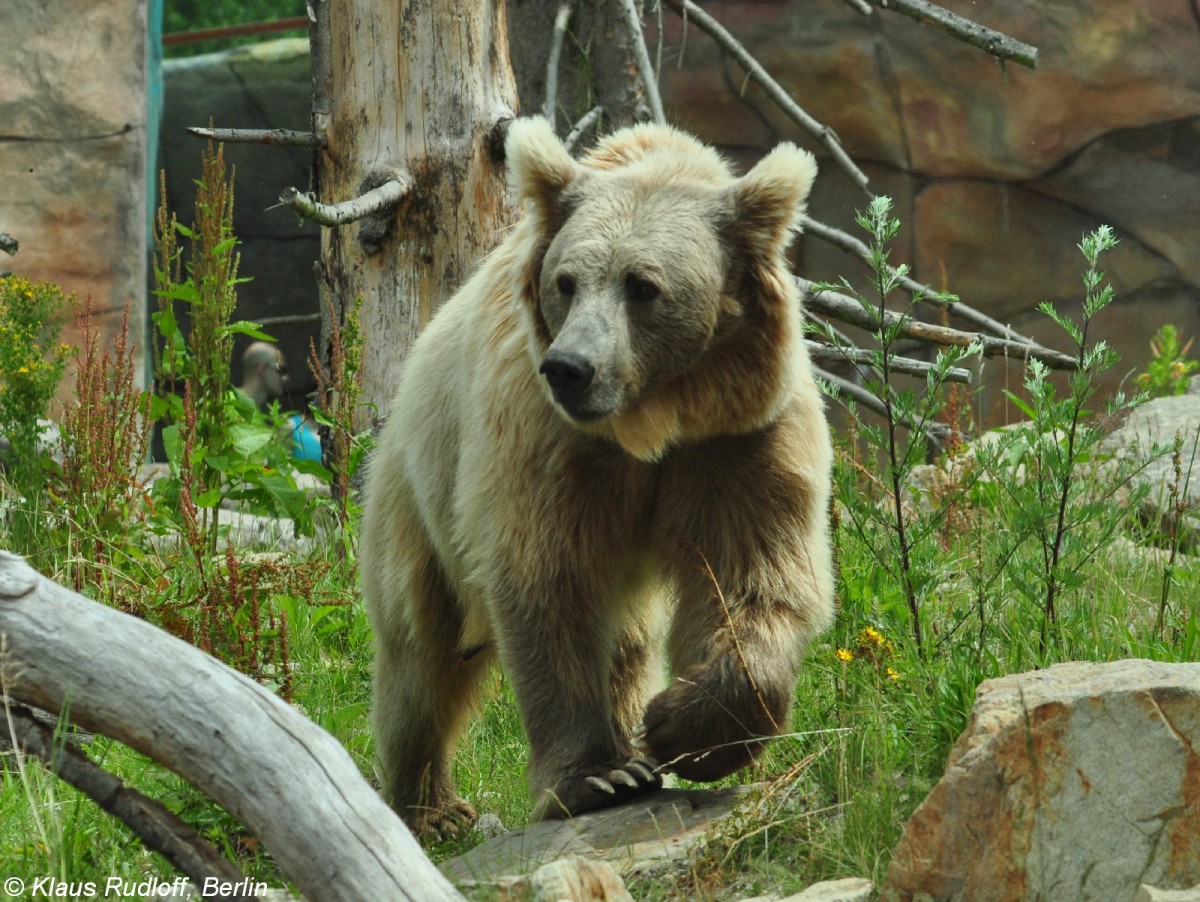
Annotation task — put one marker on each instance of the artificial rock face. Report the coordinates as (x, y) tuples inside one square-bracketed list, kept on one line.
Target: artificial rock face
[(607, 447)]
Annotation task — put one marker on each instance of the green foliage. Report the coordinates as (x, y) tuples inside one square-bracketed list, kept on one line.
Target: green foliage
[(161, 553), (1170, 369), (1051, 507), (339, 387), (32, 363), (895, 530), (220, 447)]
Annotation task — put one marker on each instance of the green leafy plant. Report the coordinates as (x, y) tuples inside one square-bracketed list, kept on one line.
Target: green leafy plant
[(1177, 494), (339, 387), (1051, 505), (895, 529), (235, 451), (221, 448), (32, 363), (1170, 369)]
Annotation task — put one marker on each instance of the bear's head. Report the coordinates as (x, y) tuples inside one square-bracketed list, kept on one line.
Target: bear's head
[(656, 286)]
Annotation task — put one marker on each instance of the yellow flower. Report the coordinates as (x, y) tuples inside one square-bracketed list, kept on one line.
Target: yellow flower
[(845, 655), (892, 675), (871, 636), (23, 369)]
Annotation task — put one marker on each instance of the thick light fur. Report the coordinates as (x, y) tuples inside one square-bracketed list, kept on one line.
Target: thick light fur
[(608, 445)]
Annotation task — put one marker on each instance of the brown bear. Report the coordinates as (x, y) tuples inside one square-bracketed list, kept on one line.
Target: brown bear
[(608, 444)]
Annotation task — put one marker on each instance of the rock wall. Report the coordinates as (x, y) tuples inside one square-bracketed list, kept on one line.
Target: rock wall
[(997, 171), (73, 146)]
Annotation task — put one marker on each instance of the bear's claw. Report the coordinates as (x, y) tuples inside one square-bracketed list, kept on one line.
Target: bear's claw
[(610, 785), (601, 784)]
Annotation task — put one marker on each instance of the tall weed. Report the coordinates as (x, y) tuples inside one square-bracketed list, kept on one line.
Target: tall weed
[(1038, 464), (105, 434), (896, 530)]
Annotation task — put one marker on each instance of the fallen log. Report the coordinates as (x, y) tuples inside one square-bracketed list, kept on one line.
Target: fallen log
[(291, 783)]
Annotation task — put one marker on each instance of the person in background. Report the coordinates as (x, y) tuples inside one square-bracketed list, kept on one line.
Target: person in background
[(264, 376), (264, 372)]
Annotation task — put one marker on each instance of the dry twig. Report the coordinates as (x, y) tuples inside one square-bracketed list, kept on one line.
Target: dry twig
[(561, 19), (906, 365), (920, 290), (938, 432), (848, 310), (378, 199), (822, 133), (649, 76), (585, 122), (990, 41), (279, 137)]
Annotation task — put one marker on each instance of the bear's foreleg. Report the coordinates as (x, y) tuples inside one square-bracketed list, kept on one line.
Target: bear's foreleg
[(567, 663), (717, 714), (750, 555)]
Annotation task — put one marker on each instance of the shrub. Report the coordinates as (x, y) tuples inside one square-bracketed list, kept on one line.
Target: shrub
[(32, 363)]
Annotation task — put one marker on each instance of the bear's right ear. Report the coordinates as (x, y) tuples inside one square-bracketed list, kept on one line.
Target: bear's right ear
[(769, 200), (539, 167)]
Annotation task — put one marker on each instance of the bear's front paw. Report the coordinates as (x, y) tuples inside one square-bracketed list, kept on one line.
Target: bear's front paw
[(597, 787), (703, 730)]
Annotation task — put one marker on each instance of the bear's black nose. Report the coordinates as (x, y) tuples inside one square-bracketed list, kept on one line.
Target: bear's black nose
[(568, 373)]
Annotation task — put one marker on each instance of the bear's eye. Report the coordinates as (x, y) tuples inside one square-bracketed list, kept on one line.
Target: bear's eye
[(566, 286), (640, 290)]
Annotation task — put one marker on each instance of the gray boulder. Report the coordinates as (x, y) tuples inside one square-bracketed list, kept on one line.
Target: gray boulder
[(1080, 781)]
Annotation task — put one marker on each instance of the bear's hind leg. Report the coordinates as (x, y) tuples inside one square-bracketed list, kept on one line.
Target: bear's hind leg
[(421, 706), (425, 686)]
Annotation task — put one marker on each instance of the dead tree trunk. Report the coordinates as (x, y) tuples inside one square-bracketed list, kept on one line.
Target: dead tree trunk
[(581, 56), (408, 95), (286, 779)]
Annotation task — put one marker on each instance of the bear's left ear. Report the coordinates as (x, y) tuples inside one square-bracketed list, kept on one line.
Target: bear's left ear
[(769, 200), (539, 167)]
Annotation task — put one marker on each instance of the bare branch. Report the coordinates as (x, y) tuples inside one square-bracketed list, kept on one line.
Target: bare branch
[(820, 351), (848, 310), (157, 826), (8, 243), (582, 126), (649, 76), (860, 6), (383, 197), (292, 319), (281, 137), (550, 108), (937, 431), (924, 292), (990, 41), (822, 133), (319, 42)]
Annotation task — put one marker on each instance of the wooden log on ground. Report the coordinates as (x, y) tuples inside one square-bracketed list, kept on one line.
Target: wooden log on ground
[(291, 783)]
